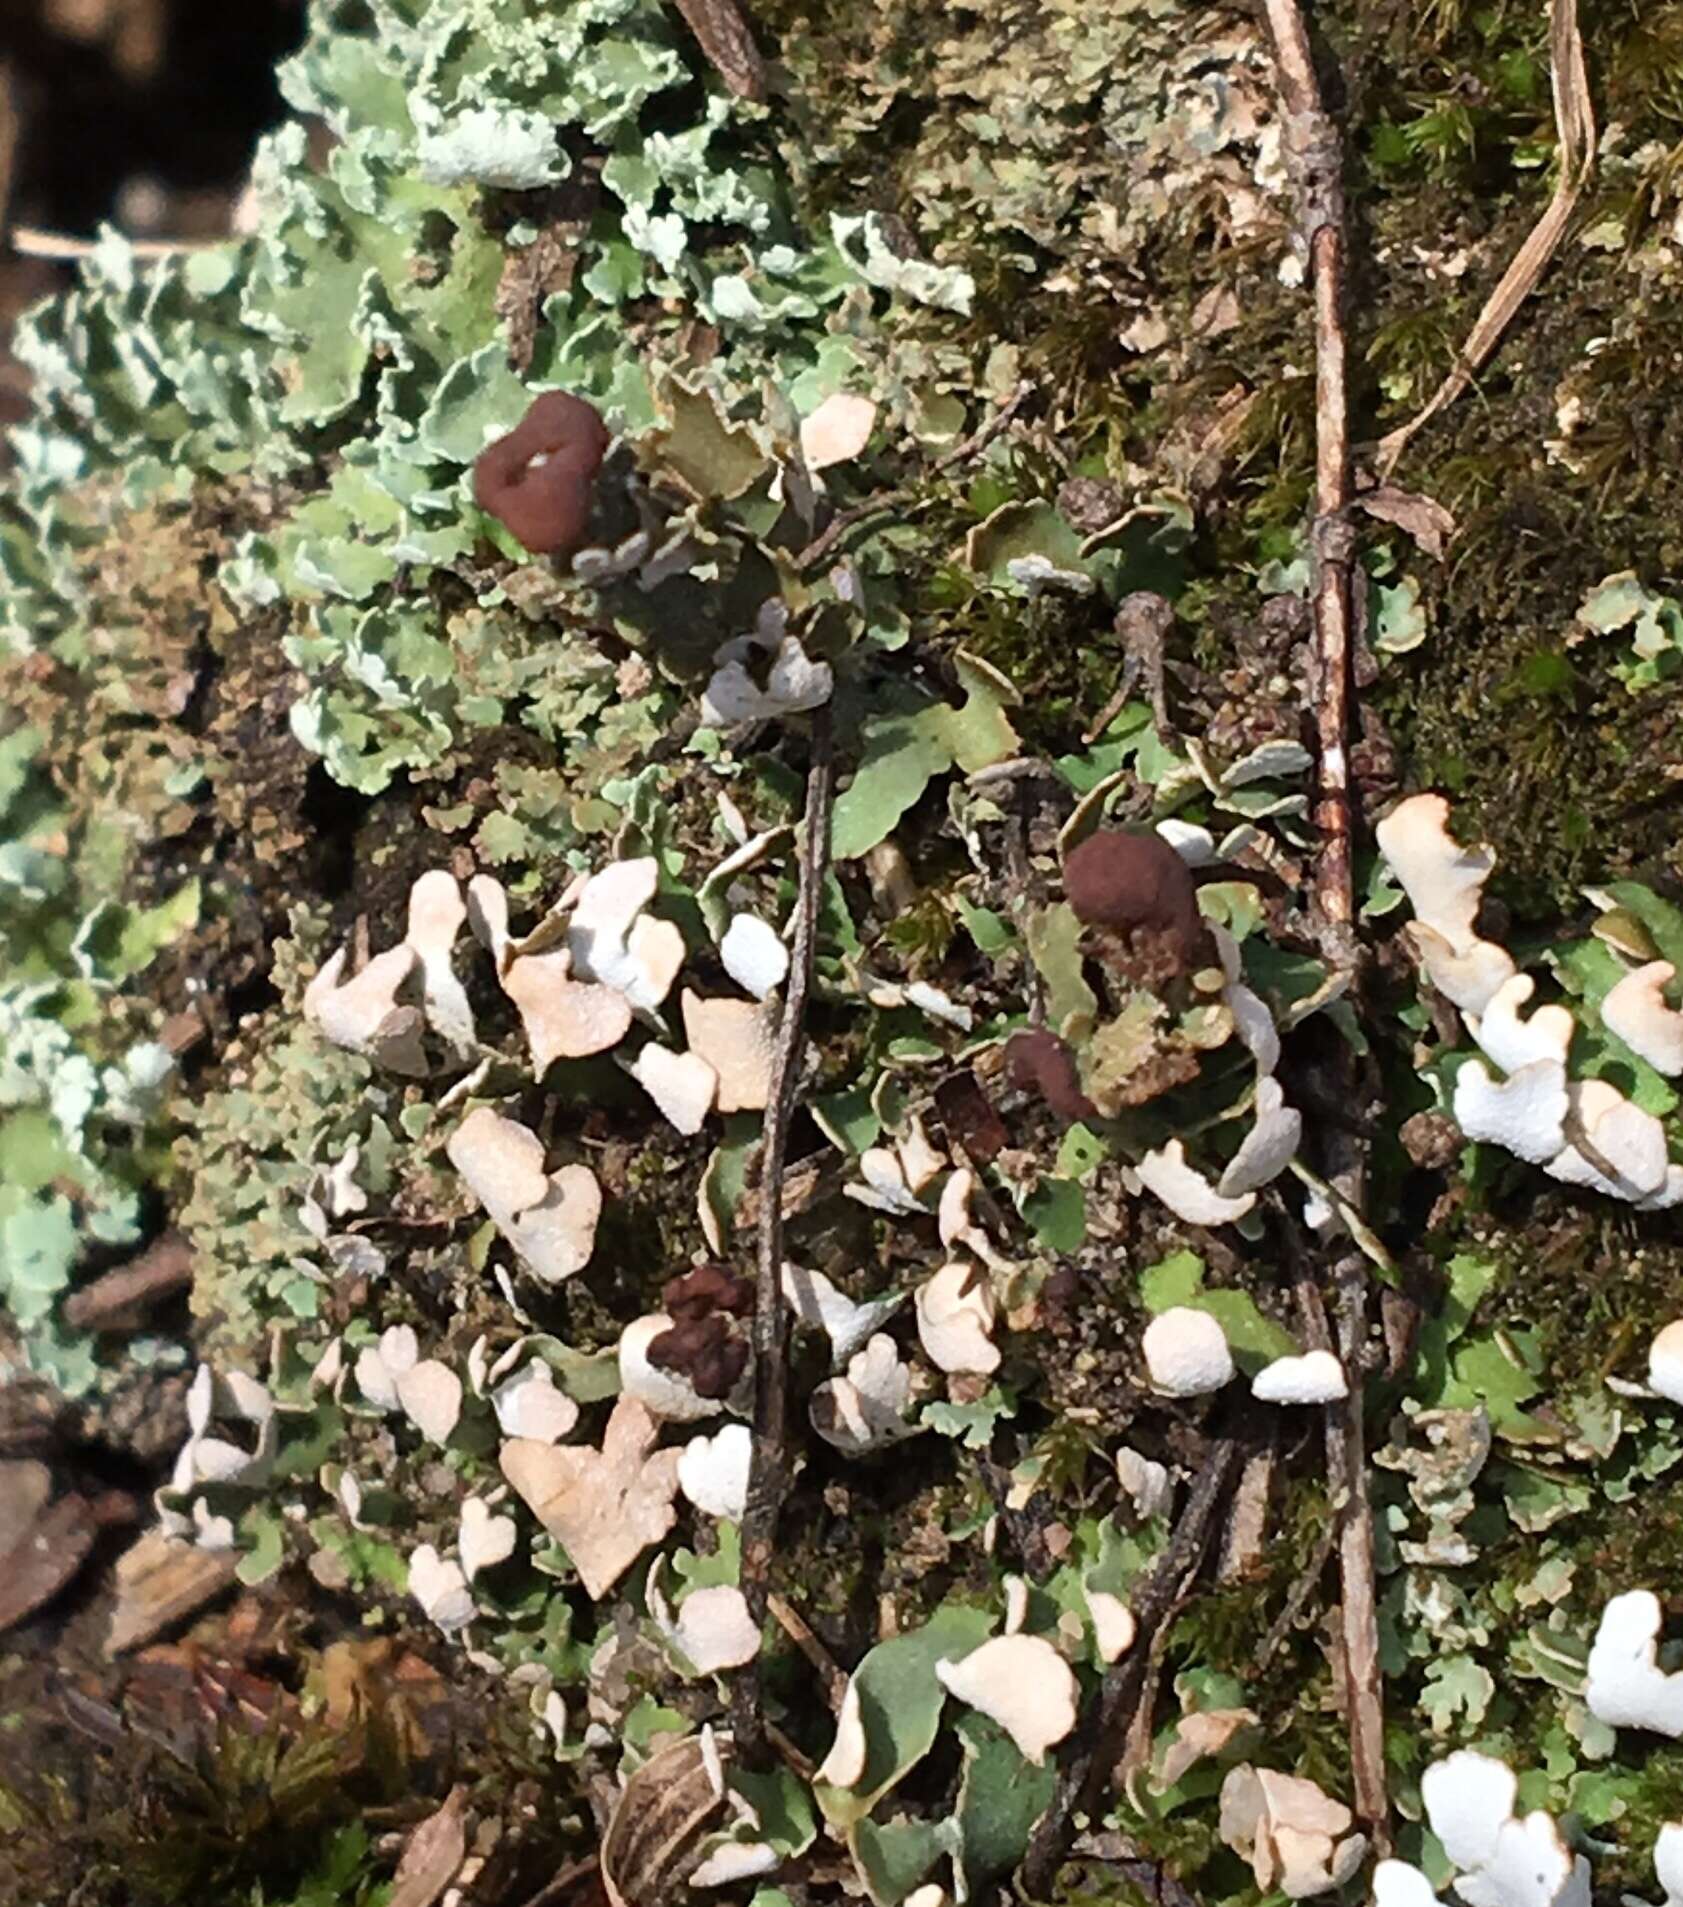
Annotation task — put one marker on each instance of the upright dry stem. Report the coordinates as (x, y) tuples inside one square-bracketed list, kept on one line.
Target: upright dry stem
[(768, 1475), (1357, 1571), (1315, 155), (1351, 1532), (1095, 1753)]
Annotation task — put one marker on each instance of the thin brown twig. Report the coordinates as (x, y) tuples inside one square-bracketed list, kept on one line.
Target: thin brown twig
[(1298, 1595), (1136, 1747), (843, 521), (979, 439), (1351, 1528), (1312, 1318), (728, 41), (800, 1764), (1357, 1568), (555, 1889), (122, 1296), (9, 134), (799, 1631), (768, 1474), (1100, 1744), (972, 446), (1315, 155)]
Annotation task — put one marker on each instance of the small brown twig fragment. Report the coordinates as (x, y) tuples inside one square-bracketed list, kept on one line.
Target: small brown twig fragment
[(160, 1581), (1244, 1541), (563, 1883), (1143, 621), (10, 131), (121, 1298), (1358, 1572), (724, 36), (978, 440), (799, 1631), (182, 1032), (768, 1473), (1100, 1742), (1136, 1748), (1299, 1593), (799, 1764)]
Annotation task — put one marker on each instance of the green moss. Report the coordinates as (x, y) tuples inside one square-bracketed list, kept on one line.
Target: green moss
[(1559, 766)]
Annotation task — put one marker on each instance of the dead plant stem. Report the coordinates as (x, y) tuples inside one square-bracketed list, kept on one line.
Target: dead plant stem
[(1351, 1531), (768, 1476), (1357, 1570), (1315, 155), (728, 41), (1103, 1738), (1574, 120), (800, 1632)]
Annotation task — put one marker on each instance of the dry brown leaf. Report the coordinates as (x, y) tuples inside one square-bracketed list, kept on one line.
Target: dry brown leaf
[(1424, 518), (372, 1675), (433, 1855)]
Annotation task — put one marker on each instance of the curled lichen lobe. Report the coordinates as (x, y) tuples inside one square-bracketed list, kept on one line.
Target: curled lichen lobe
[(537, 480)]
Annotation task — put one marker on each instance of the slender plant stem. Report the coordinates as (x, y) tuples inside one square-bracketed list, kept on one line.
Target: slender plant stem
[(1098, 1748), (768, 1474), (1315, 155)]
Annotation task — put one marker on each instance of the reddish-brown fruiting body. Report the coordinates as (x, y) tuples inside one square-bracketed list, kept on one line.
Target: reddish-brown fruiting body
[(701, 1347), (1040, 1062), (1131, 881), (536, 481), (704, 1289), (704, 1351)]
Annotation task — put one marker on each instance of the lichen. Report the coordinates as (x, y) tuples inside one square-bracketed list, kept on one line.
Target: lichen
[(270, 665)]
